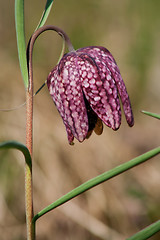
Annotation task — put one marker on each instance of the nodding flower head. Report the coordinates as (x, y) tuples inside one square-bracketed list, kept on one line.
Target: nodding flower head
[(86, 86)]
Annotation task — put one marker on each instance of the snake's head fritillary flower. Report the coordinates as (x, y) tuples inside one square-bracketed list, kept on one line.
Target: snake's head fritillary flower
[(86, 86)]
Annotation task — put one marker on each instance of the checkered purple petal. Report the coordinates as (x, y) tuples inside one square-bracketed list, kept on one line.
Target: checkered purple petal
[(104, 59), (65, 88), (101, 93)]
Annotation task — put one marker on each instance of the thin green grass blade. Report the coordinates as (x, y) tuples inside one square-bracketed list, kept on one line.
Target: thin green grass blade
[(45, 13), (97, 180), (62, 51), (151, 114), (20, 147), (146, 232), (20, 33)]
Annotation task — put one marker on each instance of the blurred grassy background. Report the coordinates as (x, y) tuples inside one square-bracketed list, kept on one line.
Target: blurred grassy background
[(122, 206)]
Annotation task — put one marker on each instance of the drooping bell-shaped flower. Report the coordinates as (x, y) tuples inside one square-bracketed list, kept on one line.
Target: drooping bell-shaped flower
[(86, 86)]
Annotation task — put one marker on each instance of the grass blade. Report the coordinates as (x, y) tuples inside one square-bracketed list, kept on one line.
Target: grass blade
[(146, 232), (20, 33), (45, 13), (97, 180), (151, 114)]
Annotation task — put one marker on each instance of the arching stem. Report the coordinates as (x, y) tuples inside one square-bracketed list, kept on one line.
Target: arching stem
[(32, 41), (29, 122)]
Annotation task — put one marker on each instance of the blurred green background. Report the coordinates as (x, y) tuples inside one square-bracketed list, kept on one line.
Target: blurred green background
[(124, 205)]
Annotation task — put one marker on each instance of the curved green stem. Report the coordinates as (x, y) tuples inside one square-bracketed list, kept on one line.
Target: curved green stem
[(21, 147), (28, 173), (97, 180)]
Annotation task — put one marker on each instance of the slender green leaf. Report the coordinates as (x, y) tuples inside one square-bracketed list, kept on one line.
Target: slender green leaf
[(151, 114), (62, 51), (20, 147), (45, 13), (97, 180), (20, 33), (146, 232)]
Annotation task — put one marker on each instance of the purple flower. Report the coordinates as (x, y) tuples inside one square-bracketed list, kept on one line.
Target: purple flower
[(84, 87)]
